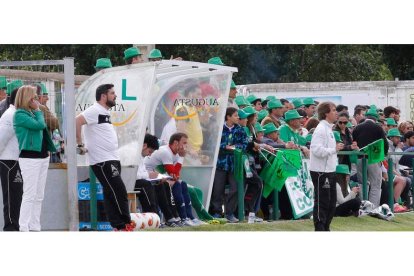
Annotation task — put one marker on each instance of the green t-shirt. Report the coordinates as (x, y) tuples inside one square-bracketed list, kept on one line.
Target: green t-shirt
[(286, 134)]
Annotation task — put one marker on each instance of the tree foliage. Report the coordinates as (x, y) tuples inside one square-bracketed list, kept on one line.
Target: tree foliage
[(256, 63)]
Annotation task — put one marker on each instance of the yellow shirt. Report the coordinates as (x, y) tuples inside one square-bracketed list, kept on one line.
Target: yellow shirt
[(192, 127)]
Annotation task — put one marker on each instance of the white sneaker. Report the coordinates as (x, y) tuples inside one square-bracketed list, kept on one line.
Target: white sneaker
[(188, 222), (258, 220), (198, 222)]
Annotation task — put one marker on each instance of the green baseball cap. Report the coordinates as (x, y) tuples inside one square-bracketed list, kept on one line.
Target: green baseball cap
[(252, 98), (297, 103), (131, 52), (249, 110), (3, 82), (262, 114), (372, 112), (13, 85), (391, 122), (292, 114), (242, 114), (102, 63), (394, 132), (274, 104), (343, 169), (215, 60), (43, 88), (271, 98), (241, 100), (258, 127), (155, 53), (269, 128), (337, 136), (309, 101)]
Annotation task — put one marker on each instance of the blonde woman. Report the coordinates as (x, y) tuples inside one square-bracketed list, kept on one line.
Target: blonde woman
[(34, 146)]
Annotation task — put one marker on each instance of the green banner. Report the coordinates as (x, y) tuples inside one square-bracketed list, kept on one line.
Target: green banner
[(285, 164)]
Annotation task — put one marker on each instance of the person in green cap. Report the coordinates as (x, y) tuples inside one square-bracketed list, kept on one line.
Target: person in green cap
[(271, 138), (232, 95), (102, 63), (298, 103), (290, 131), (309, 107), (400, 182), (155, 55), (255, 102), (391, 123), (133, 55), (5, 103), (3, 88), (241, 101), (267, 100), (215, 61), (254, 182), (242, 117), (364, 134), (276, 111), (262, 114), (346, 205)]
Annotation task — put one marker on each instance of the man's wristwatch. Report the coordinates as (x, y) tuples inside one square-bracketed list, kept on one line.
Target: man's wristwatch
[(81, 145)]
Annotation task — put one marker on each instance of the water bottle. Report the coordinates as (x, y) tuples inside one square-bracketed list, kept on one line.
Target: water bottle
[(251, 217)]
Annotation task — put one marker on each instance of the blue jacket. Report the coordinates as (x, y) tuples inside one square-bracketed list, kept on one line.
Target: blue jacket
[(237, 137)]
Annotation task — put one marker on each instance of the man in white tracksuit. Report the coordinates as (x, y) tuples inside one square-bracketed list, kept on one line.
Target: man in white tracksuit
[(323, 161)]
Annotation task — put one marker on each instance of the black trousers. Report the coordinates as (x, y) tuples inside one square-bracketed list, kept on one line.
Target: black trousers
[(221, 179), (325, 199), (115, 194), (157, 195), (348, 208), (12, 188), (254, 188)]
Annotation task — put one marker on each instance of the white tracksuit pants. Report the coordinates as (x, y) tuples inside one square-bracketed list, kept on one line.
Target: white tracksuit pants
[(34, 172)]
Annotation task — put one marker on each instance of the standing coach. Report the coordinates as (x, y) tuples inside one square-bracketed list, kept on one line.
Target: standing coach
[(323, 161)]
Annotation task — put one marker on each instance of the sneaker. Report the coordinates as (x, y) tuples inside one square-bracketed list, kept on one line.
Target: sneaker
[(188, 222), (399, 209), (232, 219), (180, 223), (171, 224), (258, 220), (198, 222), (128, 227)]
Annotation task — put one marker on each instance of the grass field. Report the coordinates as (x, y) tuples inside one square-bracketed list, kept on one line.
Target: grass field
[(401, 222)]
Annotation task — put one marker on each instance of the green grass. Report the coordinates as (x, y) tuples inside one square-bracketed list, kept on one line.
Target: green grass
[(401, 222)]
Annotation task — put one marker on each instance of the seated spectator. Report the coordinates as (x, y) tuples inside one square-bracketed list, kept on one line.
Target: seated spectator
[(405, 127), (349, 204), (169, 158), (401, 183), (271, 138), (154, 193), (345, 137)]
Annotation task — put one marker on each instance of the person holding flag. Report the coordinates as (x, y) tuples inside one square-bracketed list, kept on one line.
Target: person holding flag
[(365, 134), (323, 162)]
